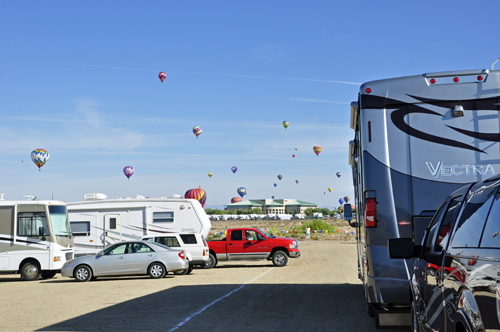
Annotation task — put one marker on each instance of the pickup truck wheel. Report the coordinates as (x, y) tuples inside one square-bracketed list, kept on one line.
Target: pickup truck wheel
[(212, 261), (280, 258)]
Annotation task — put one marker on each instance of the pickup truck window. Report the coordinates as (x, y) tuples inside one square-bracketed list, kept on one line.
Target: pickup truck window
[(237, 235), (188, 238), (470, 226), (490, 237), (169, 241), (251, 235)]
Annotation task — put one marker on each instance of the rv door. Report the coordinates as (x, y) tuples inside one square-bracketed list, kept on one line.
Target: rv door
[(111, 229)]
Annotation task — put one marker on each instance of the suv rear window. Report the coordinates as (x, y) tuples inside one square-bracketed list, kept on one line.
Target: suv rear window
[(188, 238)]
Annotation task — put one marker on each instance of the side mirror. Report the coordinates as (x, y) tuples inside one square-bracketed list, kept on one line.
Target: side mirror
[(403, 248), (41, 231), (347, 212)]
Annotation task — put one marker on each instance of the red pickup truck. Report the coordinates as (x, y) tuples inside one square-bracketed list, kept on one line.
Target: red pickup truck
[(252, 243)]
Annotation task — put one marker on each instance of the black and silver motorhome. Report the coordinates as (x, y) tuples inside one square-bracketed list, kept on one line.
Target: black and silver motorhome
[(417, 139)]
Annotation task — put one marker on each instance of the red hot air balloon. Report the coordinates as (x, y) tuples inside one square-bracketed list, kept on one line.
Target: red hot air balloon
[(162, 76), (235, 199), (293, 155), (198, 194)]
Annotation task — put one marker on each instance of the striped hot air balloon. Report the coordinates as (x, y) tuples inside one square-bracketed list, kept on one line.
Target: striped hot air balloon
[(197, 131), (162, 76), (242, 191), (39, 157), (317, 149), (128, 171), (198, 194)]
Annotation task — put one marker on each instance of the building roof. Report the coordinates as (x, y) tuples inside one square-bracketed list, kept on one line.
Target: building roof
[(244, 203), (274, 203), (297, 202)]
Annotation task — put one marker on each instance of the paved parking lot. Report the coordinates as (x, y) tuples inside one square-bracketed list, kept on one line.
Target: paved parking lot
[(317, 292)]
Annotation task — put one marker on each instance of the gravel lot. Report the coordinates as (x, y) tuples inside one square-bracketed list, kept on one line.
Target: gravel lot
[(317, 292)]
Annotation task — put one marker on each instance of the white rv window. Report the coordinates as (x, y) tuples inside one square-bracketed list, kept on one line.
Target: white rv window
[(80, 228), (163, 216), (29, 223)]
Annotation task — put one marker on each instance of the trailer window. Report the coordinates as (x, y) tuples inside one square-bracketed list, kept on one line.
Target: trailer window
[(80, 228), (188, 238), (29, 223), (163, 216)]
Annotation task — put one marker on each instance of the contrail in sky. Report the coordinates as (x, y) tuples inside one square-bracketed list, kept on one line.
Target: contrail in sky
[(214, 74)]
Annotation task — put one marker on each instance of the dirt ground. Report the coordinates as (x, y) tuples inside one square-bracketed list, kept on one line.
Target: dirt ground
[(287, 226)]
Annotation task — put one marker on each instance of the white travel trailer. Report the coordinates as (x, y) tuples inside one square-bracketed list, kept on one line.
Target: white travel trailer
[(35, 238), (416, 140), (97, 222)]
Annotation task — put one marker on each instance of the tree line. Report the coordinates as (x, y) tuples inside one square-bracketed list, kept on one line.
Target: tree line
[(308, 212)]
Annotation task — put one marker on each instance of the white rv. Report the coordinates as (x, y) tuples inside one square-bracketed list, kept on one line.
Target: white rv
[(35, 238), (97, 221)]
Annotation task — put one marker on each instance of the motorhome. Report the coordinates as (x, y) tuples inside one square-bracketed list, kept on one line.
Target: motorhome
[(417, 139), (98, 222), (35, 237)]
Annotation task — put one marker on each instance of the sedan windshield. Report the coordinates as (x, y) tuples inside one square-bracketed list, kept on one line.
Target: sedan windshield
[(59, 221)]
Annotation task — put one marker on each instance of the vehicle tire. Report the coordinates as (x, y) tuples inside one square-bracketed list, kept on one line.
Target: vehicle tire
[(30, 271), (280, 258), (82, 273), (156, 271), (181, 272), (48, 274), (190, 269), (212, 261)]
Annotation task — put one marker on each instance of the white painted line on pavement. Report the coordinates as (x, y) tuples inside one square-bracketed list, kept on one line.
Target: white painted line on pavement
[(214, 302)]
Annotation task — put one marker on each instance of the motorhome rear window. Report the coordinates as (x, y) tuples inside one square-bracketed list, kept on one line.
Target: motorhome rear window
[(163, 216), (80, 228), (188, 238)]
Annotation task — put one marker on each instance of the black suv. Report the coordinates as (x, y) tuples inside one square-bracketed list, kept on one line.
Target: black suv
[(455, 282)]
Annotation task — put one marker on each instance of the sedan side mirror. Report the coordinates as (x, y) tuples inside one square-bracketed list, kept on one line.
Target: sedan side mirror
[(403, 248)]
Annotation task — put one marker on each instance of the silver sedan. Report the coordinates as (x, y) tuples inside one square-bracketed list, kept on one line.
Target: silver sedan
[(127, 258)]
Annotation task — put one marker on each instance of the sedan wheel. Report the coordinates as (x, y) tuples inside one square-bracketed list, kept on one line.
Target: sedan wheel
[(156, 271), (82, 273)]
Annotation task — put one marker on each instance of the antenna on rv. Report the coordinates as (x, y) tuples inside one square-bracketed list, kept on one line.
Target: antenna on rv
[(493, 64), (29, 197), (1, 197)]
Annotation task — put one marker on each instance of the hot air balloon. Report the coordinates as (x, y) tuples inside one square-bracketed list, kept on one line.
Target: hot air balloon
[(210, 174), (197, 131), (198, 194), (295, 149), (234, 169), (317, 149), (272, 197), (128, 171), (341, 201), (339, 174), (39, 157), (330, 189), (346, 199), (242, 191), (293, 155), (275, 184), (324, 192), (280, 177), (235, 199), (285, 124), (296, 181)]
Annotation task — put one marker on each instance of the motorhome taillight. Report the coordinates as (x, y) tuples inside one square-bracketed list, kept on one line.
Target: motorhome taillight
[(371, 213), (368, 90), (181, 255), (455, 79)]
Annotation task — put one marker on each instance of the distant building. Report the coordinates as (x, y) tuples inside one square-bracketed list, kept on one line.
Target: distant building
[(272, 206)]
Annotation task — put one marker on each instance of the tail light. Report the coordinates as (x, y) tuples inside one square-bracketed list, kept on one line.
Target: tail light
[(204, 252), (371, 213), (182, 255)]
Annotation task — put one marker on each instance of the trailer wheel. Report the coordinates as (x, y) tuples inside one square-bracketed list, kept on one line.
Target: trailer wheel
[(212, 261), (48, 274), (156, 271), (280, 258), (82, 273), (30, 271)]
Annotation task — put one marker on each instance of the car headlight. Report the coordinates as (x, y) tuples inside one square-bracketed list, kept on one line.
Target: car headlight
[(292, 246)]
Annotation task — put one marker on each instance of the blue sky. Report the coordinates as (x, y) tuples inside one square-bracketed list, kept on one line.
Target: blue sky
[(79, 79)]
